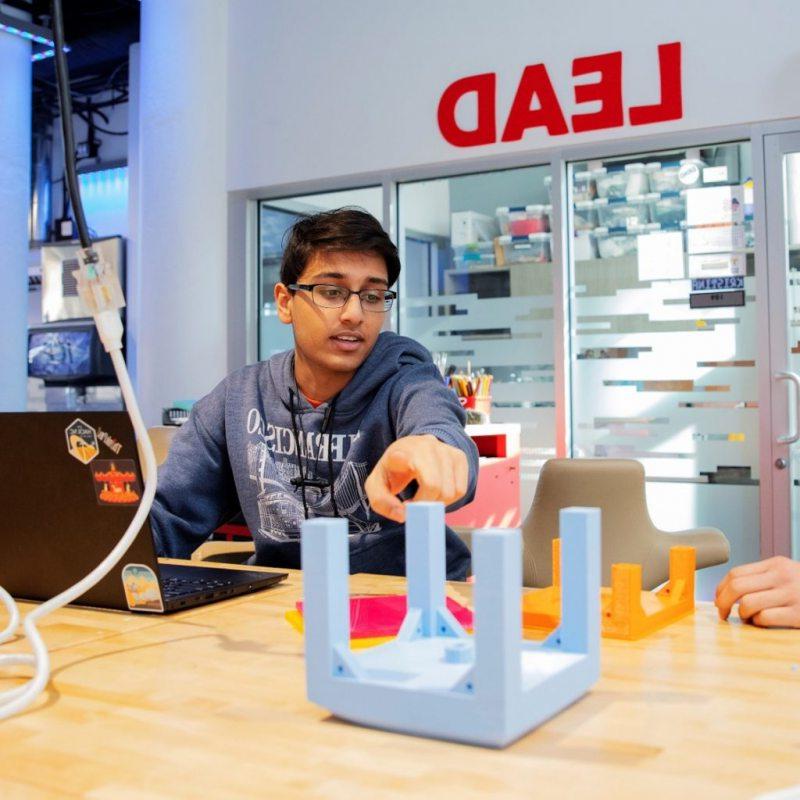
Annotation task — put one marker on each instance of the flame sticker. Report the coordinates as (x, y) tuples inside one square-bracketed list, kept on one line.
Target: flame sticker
[(116, 482)]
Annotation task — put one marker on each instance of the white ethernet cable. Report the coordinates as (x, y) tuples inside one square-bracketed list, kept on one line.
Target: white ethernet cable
[(100, 291)]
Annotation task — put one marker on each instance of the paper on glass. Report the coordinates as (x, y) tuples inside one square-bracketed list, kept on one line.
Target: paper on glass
[(714, 239), (660, 256), (714, 205), (713, 265), (715, 174)]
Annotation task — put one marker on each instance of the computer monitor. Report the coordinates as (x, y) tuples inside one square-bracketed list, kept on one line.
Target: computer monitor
[(68, 354)]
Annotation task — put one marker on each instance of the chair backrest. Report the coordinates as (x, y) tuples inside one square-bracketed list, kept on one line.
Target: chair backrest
[(615, 486), (160, 437)]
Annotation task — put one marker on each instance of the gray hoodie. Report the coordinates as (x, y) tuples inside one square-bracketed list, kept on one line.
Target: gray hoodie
[(247, 440)]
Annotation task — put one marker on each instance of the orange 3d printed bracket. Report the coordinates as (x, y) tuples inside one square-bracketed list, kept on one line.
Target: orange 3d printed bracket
[(627, 612)]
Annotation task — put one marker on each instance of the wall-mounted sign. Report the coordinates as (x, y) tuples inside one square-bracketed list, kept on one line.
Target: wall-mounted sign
[(536, 103)]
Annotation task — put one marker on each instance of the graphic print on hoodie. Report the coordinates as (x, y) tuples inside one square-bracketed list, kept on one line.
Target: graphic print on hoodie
[(272, 459), (239, 449)]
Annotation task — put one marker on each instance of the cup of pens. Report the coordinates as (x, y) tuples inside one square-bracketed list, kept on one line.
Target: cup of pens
[(474, 391)]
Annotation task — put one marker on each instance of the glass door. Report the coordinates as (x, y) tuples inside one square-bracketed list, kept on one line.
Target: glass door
[(664, 327), (782, 169)]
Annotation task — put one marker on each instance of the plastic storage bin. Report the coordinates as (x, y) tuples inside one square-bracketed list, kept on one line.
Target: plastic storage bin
[(477, 254), (584, 215), (523, 220), (583, 187), (632, 179), (667, 208), (470, 226), (515, 249), (672, 176), (621, 212), (619, 242)]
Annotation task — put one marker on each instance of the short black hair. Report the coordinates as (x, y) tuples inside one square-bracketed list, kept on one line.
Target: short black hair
[(343, 229)]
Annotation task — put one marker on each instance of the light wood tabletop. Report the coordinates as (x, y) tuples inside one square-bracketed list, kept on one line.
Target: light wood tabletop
[(211, 703)]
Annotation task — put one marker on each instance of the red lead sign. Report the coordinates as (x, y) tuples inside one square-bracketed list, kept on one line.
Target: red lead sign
[(535, 84)]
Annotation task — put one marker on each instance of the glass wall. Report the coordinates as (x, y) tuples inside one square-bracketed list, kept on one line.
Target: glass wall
[(664, 332), (275, 217), (662, 341), (477, 291)]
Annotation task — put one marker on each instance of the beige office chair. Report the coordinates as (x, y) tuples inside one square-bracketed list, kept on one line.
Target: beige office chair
[(617, 488), (228, 552), (161, 438)]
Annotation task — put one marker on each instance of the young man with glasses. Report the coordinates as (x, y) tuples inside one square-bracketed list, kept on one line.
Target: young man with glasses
[(353, 422)]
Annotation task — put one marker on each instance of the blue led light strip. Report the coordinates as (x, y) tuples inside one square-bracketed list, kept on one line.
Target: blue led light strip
[(32, 33), (31, 37), (49, 53)]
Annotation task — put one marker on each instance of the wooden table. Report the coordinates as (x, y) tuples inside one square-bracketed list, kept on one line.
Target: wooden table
[(211, 703)]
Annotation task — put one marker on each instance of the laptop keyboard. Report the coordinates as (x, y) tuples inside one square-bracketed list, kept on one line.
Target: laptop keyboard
[(174, 586)]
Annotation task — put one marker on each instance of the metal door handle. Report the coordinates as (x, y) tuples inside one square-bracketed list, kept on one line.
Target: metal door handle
[(791, 438)]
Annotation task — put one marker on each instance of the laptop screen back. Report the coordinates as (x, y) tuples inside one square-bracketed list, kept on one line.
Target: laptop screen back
[(70, 483)]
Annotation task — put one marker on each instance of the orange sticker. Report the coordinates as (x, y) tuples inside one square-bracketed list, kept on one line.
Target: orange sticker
[(116, 482), (141, 588), (82, 441)]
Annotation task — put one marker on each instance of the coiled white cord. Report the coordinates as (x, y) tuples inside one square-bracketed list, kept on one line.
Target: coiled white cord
[(12, 701)]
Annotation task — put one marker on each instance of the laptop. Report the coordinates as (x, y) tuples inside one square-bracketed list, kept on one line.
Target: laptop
[(70, 483)]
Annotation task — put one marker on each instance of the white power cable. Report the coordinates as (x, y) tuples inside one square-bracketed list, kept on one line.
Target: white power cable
[(12, 701), (100, 291)]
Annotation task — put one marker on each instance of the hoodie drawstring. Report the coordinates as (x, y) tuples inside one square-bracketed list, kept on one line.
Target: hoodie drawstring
[(303, 481), (297, 453)]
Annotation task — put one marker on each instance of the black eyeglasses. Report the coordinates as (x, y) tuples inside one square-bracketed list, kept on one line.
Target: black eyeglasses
[(328, 295)]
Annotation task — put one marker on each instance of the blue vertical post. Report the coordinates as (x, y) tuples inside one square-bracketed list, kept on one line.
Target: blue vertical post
[(326, 600), (497, 558), (580, 579), (425, 562)]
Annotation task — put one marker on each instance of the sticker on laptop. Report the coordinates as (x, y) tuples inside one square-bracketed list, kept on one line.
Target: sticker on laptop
[(109, 441), (82, 441), (116, 482), (141, 588)]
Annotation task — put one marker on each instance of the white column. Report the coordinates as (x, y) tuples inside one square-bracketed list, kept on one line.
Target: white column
[(15, 191), (181, 308)]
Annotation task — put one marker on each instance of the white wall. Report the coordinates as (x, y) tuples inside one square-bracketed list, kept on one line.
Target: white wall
[(15, 161), (426, 207), (320, 89), (181, 255), (257, 93)]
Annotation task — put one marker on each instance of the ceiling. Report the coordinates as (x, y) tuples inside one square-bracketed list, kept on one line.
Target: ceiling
[(98, 32)]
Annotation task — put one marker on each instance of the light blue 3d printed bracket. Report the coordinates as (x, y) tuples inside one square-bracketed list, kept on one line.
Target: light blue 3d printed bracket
[(434, 679)]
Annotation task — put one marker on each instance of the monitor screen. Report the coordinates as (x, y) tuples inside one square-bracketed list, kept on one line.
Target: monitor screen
[(59, 354)]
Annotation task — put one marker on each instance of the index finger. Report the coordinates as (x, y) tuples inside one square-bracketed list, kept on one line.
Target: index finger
[(737, 587), (393, 472), (743, 570)]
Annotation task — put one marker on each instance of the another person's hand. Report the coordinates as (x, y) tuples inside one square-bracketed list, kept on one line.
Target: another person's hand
[(441, 473), (768, 593)]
